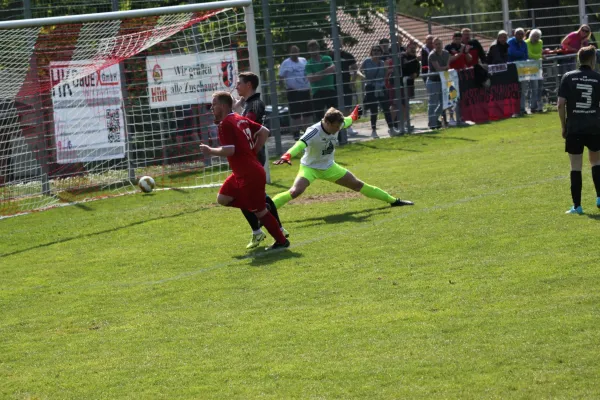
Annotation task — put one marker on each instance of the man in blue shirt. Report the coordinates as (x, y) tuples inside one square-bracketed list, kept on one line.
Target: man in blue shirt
[(517, 51)]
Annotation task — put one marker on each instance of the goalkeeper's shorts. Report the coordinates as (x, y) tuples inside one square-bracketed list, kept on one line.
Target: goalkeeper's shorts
[(331, 174)]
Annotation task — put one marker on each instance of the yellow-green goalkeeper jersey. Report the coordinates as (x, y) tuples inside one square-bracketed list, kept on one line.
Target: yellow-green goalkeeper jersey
[(320, 147)]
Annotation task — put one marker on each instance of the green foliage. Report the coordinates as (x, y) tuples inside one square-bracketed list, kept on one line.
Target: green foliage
[(483, 289), (430, 5)]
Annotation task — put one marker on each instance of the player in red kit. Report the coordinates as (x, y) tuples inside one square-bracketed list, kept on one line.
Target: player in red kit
[(241, 139)]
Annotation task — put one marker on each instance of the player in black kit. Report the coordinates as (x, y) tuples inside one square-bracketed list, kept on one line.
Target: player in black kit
[(579, 111), (254, 109)]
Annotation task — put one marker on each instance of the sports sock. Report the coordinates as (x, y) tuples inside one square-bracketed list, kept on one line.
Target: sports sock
[(282, 198), (273, 209), (596, 178), (269, 222), (576, 183), (374, 121), (376, 193), (252, 220)]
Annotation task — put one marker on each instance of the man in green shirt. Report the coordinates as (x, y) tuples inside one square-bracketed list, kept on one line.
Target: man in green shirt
[(320, 72), (535, 46)]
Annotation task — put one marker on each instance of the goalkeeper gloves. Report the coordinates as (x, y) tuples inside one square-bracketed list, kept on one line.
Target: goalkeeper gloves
[(286, 158)]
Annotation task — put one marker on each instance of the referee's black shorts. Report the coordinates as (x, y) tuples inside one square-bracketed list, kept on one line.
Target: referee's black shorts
[(299, 103), (574, 144)]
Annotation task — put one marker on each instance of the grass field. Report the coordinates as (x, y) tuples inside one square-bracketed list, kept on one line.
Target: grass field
[(484, 289)]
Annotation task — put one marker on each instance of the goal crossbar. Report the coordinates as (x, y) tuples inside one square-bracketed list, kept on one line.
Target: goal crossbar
[(148, 12)]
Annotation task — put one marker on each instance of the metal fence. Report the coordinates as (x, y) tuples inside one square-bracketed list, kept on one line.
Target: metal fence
[(345, 30)]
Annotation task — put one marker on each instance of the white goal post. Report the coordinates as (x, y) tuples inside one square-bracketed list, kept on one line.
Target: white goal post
[(90, 102)]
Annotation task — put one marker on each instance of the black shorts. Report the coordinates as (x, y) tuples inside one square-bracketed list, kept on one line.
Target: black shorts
[(574, 144), (299, 103)]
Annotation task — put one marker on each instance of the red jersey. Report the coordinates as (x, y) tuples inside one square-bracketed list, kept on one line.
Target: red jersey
[(239, 131)]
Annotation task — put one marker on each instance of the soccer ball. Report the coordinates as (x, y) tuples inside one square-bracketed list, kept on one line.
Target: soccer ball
[(146, 184)]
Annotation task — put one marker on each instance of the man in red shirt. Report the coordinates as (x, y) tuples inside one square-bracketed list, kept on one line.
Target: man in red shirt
[(241, 139)]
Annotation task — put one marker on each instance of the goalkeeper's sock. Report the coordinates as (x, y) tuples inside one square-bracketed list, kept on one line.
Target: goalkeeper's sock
[(596, 178), (269, 222), (373, 192), (282, 198), (252, 220), (273, 209), (576, 183)]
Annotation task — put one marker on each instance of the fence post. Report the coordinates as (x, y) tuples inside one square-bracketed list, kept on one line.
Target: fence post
[(337, 59), (115, 5), (429, 24), (583, 19), (275, 123), (506, 17), (532, 18), (27, 9), (397, 66)]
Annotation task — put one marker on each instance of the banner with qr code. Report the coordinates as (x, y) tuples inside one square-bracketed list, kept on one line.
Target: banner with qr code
[(450, 88), (175, 80), (88, 117)]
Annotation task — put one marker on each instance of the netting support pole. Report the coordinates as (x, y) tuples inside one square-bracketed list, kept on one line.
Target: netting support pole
[(124, 107), (396, 63), (253, 50)]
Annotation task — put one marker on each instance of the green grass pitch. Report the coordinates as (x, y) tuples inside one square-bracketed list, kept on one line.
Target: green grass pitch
[(484, 289)]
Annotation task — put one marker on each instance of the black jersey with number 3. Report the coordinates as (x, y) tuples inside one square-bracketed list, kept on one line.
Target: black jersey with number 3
[(581, 89)]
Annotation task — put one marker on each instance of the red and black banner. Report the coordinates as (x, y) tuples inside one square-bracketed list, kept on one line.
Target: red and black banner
[(500, 100)]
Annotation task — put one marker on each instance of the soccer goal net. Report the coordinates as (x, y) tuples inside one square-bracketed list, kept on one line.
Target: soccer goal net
[(90, 103)]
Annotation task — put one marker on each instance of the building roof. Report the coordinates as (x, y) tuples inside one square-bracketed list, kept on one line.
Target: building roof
[(364, 34)]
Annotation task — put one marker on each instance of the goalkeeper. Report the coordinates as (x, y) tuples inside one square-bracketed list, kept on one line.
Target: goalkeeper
[(318, 143)]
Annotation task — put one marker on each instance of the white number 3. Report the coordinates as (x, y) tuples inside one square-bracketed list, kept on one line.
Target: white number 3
[(586, 95)]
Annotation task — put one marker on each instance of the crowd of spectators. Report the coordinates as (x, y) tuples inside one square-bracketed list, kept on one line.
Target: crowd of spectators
[(311, 84)]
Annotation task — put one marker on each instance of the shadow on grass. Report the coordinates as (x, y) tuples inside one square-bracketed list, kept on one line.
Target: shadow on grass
[(593, 216), (348, 216), (179, 190), (429, 135), (279, 185), (83, 207), (99, 233), (261, 257), (370, 146)]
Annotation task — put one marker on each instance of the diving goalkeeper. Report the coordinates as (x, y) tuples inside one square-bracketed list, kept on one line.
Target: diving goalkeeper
[(318, 144)]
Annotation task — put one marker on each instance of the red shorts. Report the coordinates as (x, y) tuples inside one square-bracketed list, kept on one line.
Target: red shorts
[(248, 194)]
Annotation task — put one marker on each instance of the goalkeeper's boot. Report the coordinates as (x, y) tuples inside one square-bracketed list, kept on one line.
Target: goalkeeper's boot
[(598, 202), (285, 232), (278, 245), (256, 239), (575, 210), (400, 203)]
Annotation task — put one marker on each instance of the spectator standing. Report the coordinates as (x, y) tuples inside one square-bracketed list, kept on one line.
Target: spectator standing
[(410, 69), (349, 68), (439, 61), (575, 40), (320, 72), (498, 52), (571, 45), (425, 51), (473, 47), (517, 51), (463, 57), (579, 121), (376, 96), (291, 74), (535, 47)]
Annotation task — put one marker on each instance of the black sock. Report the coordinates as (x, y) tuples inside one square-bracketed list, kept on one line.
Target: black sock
[(373, 121), (596, 178), (576, 188), (273, 209), (252, 220)]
